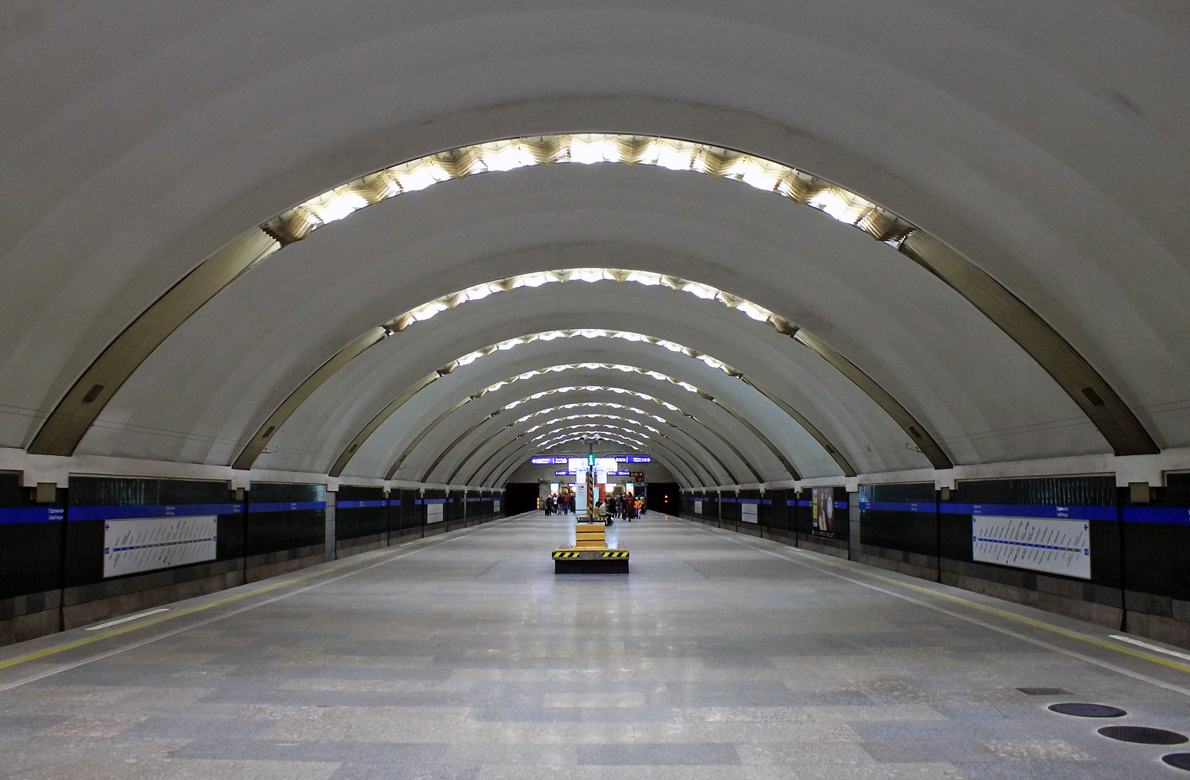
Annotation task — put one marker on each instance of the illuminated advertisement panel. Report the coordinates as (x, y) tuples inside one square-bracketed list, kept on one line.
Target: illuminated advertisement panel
[(822, 511)]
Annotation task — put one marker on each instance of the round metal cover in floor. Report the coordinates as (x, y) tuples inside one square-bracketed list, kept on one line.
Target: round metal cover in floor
[(1081, 710), (1178, 760), (1143, 735)]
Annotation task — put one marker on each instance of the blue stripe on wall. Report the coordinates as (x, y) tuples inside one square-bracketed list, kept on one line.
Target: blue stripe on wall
[(33, 514), (294, 506), (1107, 513), (1153, 514), (133, 512), (897, 506)]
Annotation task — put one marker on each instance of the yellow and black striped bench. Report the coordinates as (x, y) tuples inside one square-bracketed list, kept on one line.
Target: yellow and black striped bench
[(576, 560)]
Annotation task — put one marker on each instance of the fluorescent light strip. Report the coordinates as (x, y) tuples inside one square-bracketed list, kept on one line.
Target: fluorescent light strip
[(478, 292), (588, 333), (591, 405), (593, 427), (568, 418), (586, 149), (593, 367), (588, 389)]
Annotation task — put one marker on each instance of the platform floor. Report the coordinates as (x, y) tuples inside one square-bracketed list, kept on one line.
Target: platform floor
[(463, 656)]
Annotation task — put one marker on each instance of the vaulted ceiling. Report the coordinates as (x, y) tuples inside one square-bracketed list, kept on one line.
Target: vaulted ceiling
[(763, 241)]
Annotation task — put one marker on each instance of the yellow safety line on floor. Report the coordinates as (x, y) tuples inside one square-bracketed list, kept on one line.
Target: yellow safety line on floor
[(353, 561), (1070, 634)]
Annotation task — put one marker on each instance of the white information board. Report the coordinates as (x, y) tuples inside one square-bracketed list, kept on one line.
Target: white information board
[(1041, 544), (580, 498), (145, 544), (698, 506), (748, 513), (434, 513), (496, 506)]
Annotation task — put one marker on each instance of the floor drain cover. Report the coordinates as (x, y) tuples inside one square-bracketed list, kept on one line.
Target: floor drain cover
[(1178, 760), (1088, 710), (1143, 735), (1044, 691)]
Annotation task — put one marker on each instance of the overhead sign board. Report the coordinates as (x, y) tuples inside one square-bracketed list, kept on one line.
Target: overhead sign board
[(636, 459), (543, 461)]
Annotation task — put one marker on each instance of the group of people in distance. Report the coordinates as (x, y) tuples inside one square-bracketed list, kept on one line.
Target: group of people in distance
[(562, 504), (626, 507)]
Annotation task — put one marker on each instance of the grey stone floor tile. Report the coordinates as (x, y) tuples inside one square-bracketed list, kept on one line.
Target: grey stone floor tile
[(927, 750), (324, 752), (413, 771), (195, 728), (664, 754), (472, 661)]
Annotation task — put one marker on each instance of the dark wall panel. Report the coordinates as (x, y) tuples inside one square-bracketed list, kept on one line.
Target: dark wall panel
[(1156, 540), (31, 538), (284, 517), (901, 517), (360, 511)]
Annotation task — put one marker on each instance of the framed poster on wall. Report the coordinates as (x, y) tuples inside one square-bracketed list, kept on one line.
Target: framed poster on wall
[(822, 510)]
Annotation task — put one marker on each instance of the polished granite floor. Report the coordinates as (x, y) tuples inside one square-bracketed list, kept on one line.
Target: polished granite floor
[(463, 656)]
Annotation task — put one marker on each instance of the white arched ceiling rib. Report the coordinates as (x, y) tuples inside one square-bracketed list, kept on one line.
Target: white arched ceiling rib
[(504, 470), (655, 375), (508, 452), (653, 434), (917, 432), (590, 333), (483, 442), (78, 409), (662, 440), (584, 405), (588, 389), (506, 467), (502, 467), (438, 420), (445, 452)]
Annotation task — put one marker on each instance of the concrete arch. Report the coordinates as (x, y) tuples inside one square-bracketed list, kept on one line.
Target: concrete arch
[(688, 459), (74, 414), (665, 459), (505, 466), (599, 420), (399, 324), (585, 405), (450, 367), (665, 405), (629, 370)]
